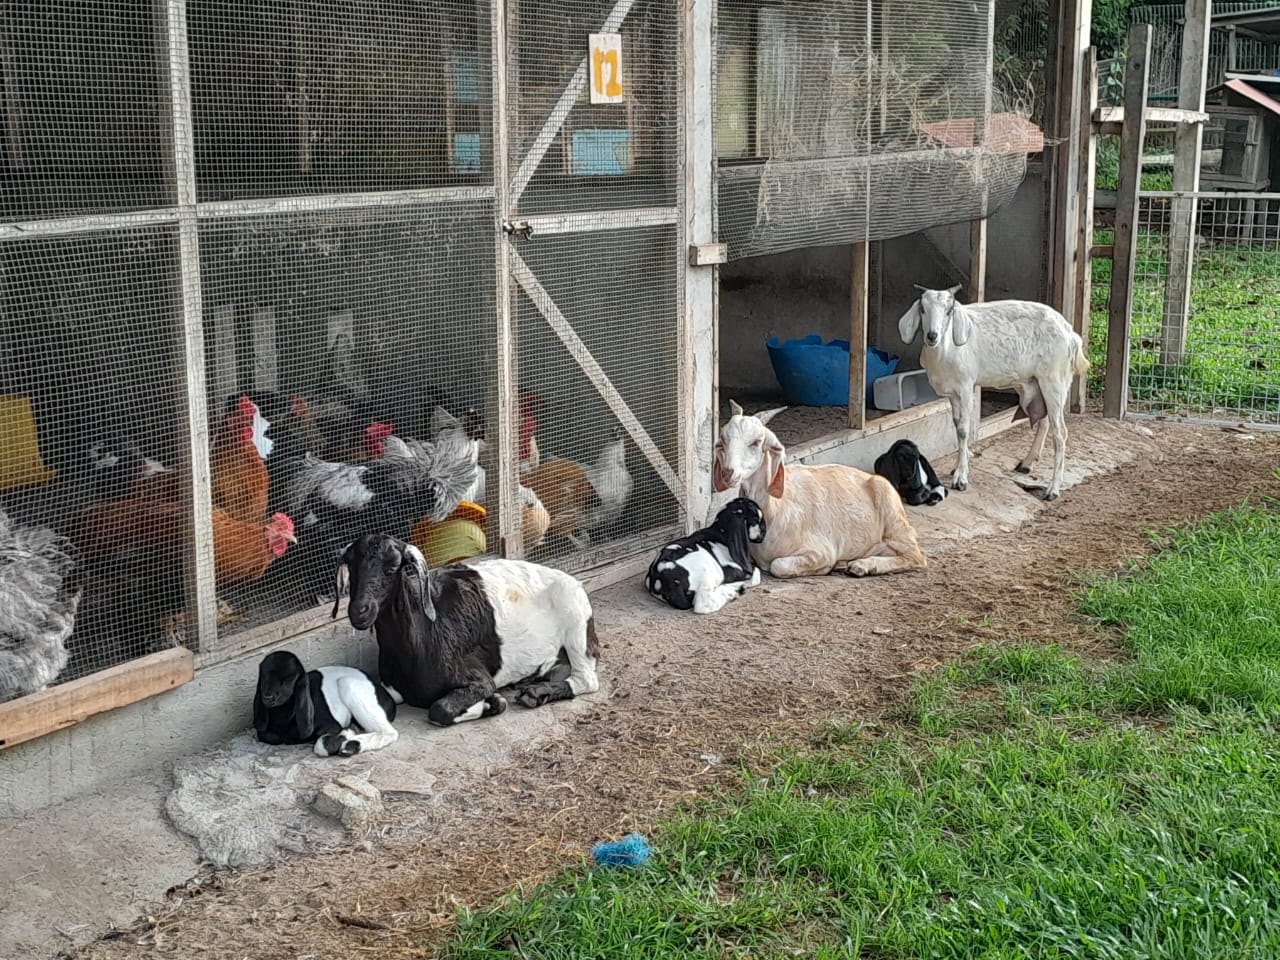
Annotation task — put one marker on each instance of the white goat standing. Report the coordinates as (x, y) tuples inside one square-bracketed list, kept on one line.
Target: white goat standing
[(818, 518), (1004, 344)]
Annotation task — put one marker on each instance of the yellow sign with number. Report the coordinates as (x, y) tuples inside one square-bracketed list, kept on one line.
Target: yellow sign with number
[(605, 63)]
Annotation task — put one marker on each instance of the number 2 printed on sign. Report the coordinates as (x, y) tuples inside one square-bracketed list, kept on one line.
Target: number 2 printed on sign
[(606, 68)]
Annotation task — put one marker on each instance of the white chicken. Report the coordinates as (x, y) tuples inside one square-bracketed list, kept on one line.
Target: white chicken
[(37, 609), (610, 480)]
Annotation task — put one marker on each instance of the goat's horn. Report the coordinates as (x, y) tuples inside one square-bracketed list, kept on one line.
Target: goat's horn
[(920, 288)]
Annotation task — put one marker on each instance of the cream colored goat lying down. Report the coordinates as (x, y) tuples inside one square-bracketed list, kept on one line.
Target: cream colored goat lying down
[(818, 518)]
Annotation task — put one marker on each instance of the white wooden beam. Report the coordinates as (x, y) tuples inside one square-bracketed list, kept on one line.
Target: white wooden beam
[(596, 220), (595, 374), (700, 306), (202, 601)]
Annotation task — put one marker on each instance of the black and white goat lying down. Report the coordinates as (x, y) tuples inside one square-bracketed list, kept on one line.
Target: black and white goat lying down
[(911, 474), (712, 566), (449, 639), (294, 705)]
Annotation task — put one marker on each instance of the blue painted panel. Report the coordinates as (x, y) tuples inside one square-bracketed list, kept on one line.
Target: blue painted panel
[(600, 153)]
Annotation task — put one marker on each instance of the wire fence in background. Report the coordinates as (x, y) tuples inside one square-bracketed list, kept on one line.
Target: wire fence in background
[(1230, 368)]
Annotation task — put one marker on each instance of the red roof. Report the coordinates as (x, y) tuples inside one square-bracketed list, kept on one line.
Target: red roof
[(1006, 133), (1250, 92)]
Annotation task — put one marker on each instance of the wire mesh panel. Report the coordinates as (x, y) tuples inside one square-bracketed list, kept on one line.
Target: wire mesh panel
[(569, 152), (91, 432), (840, 121), (1229, 368), (80, 124), (594, 91), (597, 484), (336, 97), (351, 381)]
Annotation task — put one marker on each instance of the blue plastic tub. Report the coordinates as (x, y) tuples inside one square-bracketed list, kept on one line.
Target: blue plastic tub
[(816, 374)]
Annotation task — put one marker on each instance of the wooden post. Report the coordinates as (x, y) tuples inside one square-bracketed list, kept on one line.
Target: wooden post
[(1069, 35), (510, 536), (1231, 48), (858, 315), (179, 146), (1132, 138), (1084, 242), (697, 374), (1186, 176), (12, 96)]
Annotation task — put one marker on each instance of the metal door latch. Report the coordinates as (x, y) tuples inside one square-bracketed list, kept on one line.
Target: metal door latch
[(518, 228)]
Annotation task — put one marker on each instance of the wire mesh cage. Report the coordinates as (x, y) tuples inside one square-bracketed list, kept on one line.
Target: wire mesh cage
[(260, 242), (353, 333), (319, 98), (596, 273), (1227, 369), (92, 412)]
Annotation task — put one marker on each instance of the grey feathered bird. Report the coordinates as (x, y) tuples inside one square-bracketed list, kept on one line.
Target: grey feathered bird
[(37, 607)]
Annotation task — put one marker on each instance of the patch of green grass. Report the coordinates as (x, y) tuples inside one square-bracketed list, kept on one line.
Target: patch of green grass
[(1028, 803), (1202, 616)]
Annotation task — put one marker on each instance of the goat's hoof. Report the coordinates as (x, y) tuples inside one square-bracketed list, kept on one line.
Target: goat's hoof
[(333, 743), (1022, 468), (494, 705), (1050, 495), (960, 485), (540, 694), (858, 568)]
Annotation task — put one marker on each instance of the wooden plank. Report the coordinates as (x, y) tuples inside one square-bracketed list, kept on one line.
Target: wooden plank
[(1084, 242), (594, 220), (265, 365), (699, 304), (978, 260), (12, 95), (978, 285), (504, 396), (1174, 115), (563, 329), (858, 318), (1136, 83), (225, 379), (57, 708), (198, 561), (1192, 73), (1071, 20), (1102, 251)]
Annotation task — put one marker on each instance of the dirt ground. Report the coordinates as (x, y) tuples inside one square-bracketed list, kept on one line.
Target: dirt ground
[(687, 708)]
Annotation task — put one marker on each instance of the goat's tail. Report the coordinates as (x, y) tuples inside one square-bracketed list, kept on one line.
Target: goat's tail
[(593, 642), (1080, 363)]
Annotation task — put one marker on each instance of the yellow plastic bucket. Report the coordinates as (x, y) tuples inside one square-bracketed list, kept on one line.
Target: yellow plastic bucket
[(20, 462)]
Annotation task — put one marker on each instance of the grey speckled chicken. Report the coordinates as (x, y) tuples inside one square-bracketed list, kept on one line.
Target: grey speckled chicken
[(37, 607)]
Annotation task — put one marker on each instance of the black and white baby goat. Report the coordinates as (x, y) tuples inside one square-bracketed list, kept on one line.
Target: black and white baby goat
[(707, 569), (293, 705), (904, 466)]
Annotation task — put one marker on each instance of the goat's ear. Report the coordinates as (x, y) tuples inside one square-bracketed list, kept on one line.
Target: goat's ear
[(909, 323), (960, 325), (773, 450), (341, 576), (778, 483), (304, 716), (735, 408), (416, 564), (764, 416)]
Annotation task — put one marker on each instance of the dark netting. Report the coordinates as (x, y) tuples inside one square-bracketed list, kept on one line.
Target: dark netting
[(860, 121)]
